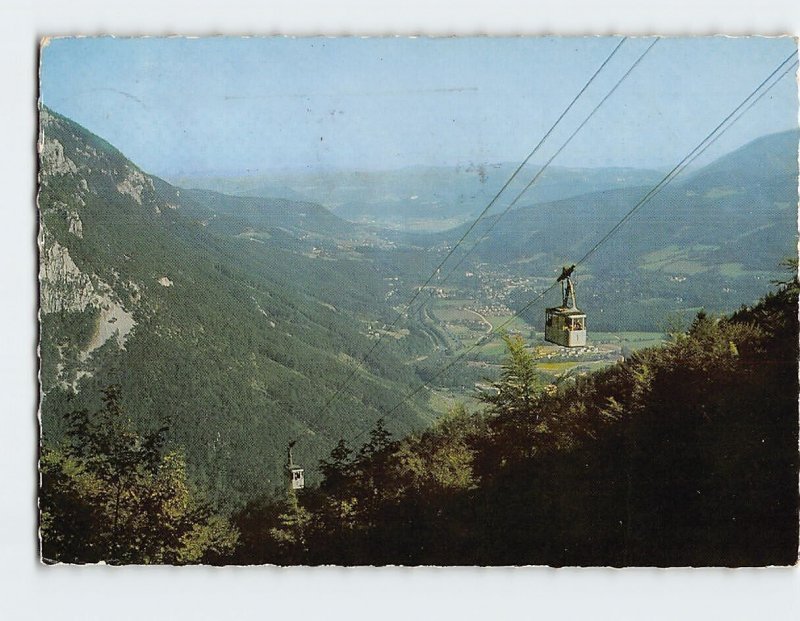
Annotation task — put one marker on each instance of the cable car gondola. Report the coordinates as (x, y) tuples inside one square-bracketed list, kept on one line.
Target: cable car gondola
[(295, 472), (565, 325)]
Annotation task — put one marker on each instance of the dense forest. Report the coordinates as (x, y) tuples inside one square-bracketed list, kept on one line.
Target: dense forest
[(680, 455)]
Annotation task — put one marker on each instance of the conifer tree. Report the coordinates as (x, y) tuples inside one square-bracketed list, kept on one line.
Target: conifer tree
[(110, 493), (518, 389)]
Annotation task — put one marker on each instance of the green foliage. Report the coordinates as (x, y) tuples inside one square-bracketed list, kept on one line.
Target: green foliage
[(440, 462), (64, 336), (242, 352), (290, 532), (208, 542), (337, 470), (517, 390), (516, 397), (112, 494), (682, 455), (792, 285)]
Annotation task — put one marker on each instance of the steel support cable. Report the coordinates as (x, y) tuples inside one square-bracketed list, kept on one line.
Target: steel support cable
[(732, 122), (715, 134), (482, 341), (419, 290), (742, 113), (679, 166), (549, 161)]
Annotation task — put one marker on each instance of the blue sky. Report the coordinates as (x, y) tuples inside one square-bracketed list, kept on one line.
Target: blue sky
[(179, 106)]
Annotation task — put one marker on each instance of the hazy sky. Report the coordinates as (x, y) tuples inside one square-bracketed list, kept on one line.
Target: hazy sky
[(248, 105)]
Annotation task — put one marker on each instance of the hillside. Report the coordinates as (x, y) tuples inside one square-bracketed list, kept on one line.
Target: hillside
[(713, 239), (684, 455), (765, 158), (223, 318)]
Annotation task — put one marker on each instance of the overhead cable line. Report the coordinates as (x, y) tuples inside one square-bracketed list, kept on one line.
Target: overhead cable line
[(715, 134), (688, 163), (743, 112), (549, 161), (679, 167), (419, 290)]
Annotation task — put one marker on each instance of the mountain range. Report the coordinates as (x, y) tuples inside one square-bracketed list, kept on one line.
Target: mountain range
[(711, 239), (421, 198), (233, 320), (223, 318)]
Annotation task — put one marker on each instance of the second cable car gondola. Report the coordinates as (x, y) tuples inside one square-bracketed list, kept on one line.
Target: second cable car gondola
[(565, 325), (295, 473)]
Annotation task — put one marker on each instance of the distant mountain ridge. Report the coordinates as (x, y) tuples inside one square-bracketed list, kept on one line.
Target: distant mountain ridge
[(712, 239), (427, 198), (763, 158), (419, 197)]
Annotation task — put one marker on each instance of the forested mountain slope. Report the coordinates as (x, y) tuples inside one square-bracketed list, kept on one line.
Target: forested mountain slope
[(681, 455), (187, 337), (216, 316), (711, 239)]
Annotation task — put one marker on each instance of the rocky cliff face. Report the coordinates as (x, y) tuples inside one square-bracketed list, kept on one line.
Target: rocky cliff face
[(64, 285), (51, 153)]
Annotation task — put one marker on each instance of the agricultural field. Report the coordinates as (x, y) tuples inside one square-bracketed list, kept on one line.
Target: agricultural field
[(677, 260), (629, 340), (464, 326)]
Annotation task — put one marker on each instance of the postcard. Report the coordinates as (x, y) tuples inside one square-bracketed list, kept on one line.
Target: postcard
[(477, 301)]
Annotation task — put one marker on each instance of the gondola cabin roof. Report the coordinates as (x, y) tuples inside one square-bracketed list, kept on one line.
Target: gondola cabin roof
[(567, 312)]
